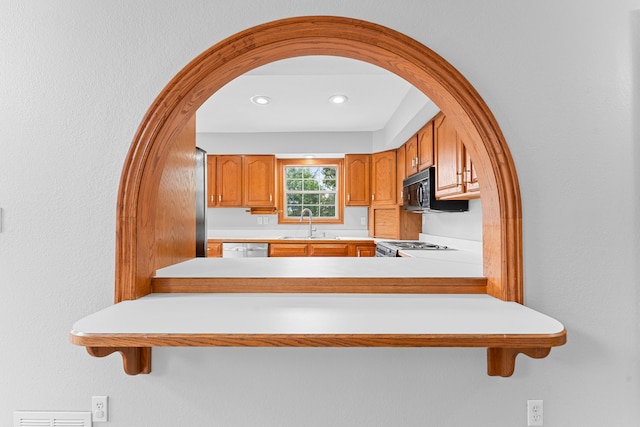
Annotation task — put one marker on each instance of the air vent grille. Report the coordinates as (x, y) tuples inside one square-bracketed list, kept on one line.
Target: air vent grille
[(51, 419)]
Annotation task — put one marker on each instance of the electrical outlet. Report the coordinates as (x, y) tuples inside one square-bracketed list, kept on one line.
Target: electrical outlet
[(100, 409), (363, 220), (534, 413)]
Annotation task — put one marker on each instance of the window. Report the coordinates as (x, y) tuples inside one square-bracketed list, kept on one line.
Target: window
[(314, 184)]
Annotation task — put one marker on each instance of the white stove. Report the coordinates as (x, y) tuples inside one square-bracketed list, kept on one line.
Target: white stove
[(390, 248)]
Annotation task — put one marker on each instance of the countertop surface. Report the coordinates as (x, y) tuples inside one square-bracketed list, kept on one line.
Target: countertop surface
[(425, 264), (316, 314)]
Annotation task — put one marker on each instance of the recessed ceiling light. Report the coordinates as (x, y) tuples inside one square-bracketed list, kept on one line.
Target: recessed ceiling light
[(260, 100), (338, 99)]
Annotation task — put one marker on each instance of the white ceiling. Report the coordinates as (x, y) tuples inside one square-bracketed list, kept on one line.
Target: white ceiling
[(299, 89)]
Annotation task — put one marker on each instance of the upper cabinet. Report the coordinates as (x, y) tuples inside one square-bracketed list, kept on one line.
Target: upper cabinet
[(229, 181), (241, 181), (425, 147), (259, 180), (419, 150), (212, 190), (357, 172), (401, 172), (411, 155), (383, 178), (455, 175)]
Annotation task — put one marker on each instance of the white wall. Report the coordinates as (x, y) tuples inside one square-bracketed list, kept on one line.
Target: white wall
[(76, 78)]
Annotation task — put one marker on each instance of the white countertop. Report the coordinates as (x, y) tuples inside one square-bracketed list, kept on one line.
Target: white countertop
[(437, 264), (316, 314)]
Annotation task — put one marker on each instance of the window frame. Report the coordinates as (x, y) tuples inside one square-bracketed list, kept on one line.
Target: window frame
[(338, 163)]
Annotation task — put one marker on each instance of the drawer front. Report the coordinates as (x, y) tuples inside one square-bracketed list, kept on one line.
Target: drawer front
[(329, 249), (288, 249)]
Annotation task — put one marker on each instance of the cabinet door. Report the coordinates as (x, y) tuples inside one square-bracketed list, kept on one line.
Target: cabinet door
[(368, 250), (449, 159), (401, 172), (288, 249), (259, 180), (411, 155), (229, 181), (425, 147), (357, 178), (214, 249), (470, 176), (329, 249), (211, 181), (383, 178)]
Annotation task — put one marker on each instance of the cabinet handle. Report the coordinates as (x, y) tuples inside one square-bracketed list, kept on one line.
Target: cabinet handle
[(271, 197), (413, 163), (348, 197), (213, 198), (373, 197), (220, 198), (417, 161)]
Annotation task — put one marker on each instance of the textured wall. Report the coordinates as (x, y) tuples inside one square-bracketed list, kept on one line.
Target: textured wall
[(76, 78)]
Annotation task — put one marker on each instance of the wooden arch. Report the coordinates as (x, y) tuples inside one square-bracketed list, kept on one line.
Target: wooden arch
[(319, 35)]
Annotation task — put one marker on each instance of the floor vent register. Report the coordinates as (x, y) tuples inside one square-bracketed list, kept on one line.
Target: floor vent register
[(51, 419)]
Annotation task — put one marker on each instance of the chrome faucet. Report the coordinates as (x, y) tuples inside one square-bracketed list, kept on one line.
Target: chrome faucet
[(307, 210)]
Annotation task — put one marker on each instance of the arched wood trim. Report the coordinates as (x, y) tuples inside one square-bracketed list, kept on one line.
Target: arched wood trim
[(321, 35)]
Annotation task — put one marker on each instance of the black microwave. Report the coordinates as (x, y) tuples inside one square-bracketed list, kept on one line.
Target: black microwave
[(419, 195)]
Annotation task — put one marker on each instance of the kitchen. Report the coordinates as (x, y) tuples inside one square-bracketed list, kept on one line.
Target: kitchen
[(230, 294), (383, 116)]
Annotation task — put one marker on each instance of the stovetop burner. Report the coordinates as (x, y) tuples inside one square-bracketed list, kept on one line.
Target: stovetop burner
[(414, 245)]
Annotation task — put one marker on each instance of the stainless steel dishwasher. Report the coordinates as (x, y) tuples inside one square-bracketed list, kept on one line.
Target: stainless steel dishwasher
[(244, 250)]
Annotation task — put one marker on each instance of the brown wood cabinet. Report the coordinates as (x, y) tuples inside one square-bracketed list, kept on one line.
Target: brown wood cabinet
[(214, 249), (241, 181), (357, 179), (411, 155), (425, 147), (401, 173), (212, 189), (419, 150), (365, 249), (393, 222), (229, 181), (258, 180), (323, 249), (455, 174), (383, 178)]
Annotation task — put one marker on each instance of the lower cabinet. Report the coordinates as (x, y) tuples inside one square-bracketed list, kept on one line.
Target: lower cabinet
[(393, 222), (323, 249), (214, 249)]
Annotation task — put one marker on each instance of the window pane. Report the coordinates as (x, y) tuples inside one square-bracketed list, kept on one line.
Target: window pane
[(311, 199), (329, 184), (328, 211), (328, 199), (294, 184), (293, 172), (315, 210), (294, 210), (294, 199)]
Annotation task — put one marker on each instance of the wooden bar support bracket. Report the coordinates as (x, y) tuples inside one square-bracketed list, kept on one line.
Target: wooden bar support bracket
[(502, 361), (136, 360)]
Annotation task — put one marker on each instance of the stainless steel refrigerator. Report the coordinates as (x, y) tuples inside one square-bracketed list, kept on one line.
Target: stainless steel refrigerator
[(201, 202)]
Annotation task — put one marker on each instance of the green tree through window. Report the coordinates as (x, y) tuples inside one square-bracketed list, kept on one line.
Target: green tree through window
[(312, 187)]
